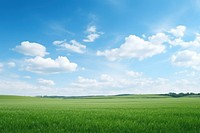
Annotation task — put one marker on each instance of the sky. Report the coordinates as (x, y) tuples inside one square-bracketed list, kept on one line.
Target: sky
[(99, 47)]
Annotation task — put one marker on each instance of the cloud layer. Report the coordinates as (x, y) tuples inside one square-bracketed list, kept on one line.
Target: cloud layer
[(184, 54)]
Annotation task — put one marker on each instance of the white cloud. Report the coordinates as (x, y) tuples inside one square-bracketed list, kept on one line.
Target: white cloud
[(109, 82), (179, 31), (92, 34), (106, 77), (85, 80), (187, 74), (91, 37), (102, 86), (107, 85), (141, 48), (73, 45), (16, 87), (46, 82), (177, 35), (31, 49), (134, 74), (50, 66), (11, 64), (158, 38), (59, 43), (187, 58), (104, 81), (185, 44), (135, 47), (91, 29)]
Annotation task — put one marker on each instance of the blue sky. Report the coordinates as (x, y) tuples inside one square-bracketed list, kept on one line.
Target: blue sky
[(93, 47)]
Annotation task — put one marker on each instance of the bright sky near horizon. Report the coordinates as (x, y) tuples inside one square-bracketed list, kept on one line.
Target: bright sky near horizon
[(99, 47)]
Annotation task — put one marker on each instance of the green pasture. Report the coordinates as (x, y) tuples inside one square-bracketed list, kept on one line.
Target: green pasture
[(111, 114)]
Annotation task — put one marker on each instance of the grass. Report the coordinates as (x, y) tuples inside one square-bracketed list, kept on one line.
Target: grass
[(128, 113)]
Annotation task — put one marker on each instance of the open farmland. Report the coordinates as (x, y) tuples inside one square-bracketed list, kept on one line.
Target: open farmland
[(132, 113)]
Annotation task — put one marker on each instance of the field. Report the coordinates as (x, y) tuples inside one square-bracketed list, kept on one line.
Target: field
[(131, 113)]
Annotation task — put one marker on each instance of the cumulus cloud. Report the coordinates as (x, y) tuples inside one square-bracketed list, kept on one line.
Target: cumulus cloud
[(158, 38), (179, 31), (50, 66), (177, 35), (92, 34), (136, 47), (148, 46), (187, 58), (185, 44), (31, 49), (46, 82), (73, 45)]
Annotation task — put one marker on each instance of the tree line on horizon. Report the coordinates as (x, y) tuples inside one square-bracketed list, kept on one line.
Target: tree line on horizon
[(172, 94)]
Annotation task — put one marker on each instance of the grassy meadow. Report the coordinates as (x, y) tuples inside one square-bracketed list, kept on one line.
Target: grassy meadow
[(131, 113)]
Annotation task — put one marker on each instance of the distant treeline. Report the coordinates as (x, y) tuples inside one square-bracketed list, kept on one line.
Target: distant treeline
[(172, 94)]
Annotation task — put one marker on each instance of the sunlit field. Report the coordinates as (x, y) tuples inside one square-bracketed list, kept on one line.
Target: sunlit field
[(132, 113)]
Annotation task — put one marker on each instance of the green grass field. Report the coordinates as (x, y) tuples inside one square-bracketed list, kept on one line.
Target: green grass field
[(132, 113)]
